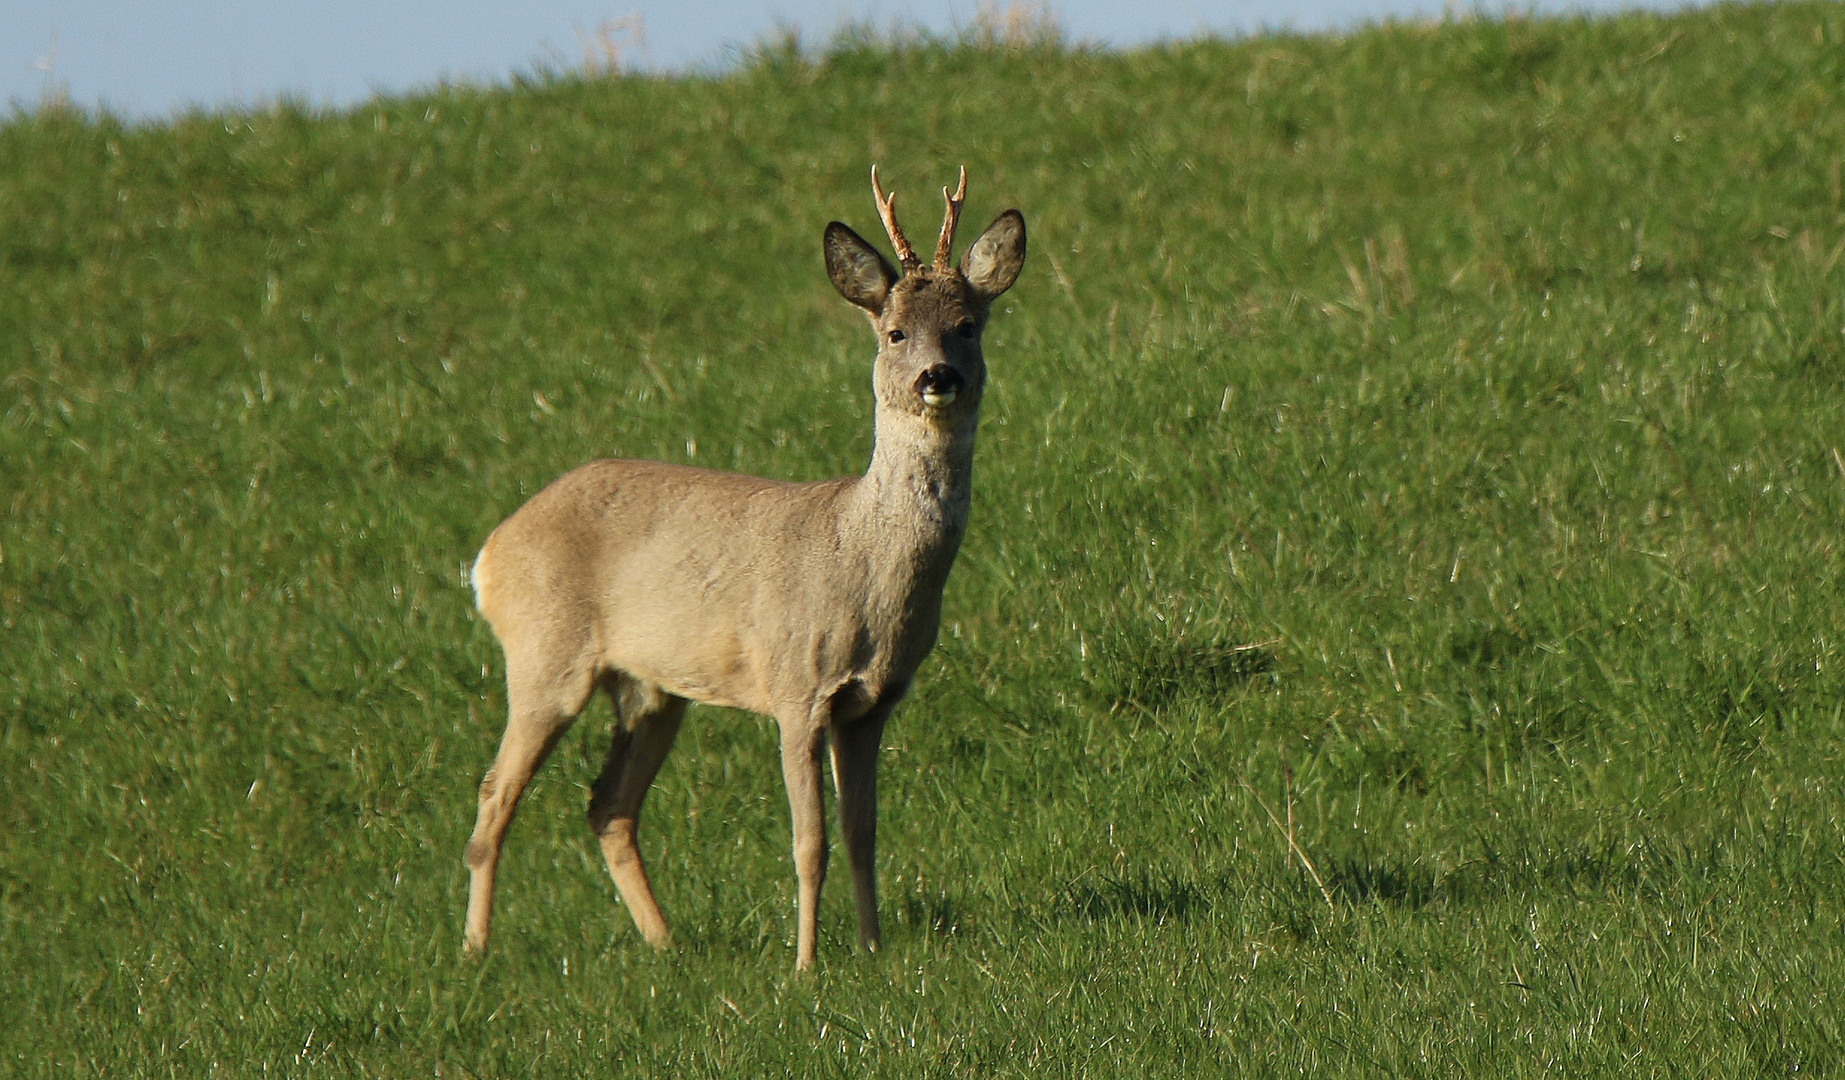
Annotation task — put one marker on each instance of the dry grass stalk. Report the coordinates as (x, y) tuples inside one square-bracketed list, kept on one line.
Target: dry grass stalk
[(1016, 25), (1287, 829), (611, 42)]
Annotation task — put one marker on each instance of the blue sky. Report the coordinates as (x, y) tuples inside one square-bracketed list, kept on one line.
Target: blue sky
[(150, 58)]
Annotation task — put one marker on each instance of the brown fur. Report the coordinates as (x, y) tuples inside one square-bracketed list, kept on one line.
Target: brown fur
[(809, 603)]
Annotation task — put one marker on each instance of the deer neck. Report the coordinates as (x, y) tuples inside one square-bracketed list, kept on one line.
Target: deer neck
[(918, 486)]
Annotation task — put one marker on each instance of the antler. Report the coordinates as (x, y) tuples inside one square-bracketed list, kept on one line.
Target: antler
[(887, 209), (952, 218)]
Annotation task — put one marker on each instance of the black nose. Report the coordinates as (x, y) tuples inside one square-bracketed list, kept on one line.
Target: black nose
[(940, 381)]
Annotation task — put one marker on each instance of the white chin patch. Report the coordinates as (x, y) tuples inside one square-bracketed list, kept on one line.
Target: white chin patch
[(938, 398)]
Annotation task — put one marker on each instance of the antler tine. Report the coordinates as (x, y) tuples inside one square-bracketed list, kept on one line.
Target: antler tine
[(887, 209), (944, 246)]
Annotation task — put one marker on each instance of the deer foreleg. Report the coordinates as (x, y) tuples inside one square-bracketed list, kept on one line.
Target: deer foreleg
[(855, 772), (803, 743)]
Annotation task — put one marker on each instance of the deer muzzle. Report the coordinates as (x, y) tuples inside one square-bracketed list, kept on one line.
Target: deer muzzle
[(939, 385)]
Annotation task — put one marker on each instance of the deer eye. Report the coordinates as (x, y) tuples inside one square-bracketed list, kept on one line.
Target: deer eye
[(966, 329), (896, 336)]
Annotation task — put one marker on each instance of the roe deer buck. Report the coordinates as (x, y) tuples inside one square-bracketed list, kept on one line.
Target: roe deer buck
[(810, 603)]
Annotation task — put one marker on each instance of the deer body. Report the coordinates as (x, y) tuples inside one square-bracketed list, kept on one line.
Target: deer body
[(777, 619), (811, 603)]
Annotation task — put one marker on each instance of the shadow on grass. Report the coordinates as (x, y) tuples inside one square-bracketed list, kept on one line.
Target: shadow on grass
[(938, 913), (1290, 900), (1162, 897), (1146, 895), (1154, 674), (1575, 872)]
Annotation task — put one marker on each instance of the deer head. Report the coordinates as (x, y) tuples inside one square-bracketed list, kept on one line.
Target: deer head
[(928, 319)]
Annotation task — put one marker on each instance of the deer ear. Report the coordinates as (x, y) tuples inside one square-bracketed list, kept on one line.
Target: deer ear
[(859, 271), (993, 262)]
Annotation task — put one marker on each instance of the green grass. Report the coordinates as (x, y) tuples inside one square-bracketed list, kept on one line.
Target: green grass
[(1486, 377)]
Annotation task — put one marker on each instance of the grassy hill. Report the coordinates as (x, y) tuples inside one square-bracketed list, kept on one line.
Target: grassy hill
[(1427, 440)]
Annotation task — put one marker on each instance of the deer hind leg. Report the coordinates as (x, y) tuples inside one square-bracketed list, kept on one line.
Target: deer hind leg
[(646, 722), (542, 702), (855, 773)]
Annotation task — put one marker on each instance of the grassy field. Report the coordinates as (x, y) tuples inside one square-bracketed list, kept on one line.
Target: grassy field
[(1431, 436)]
